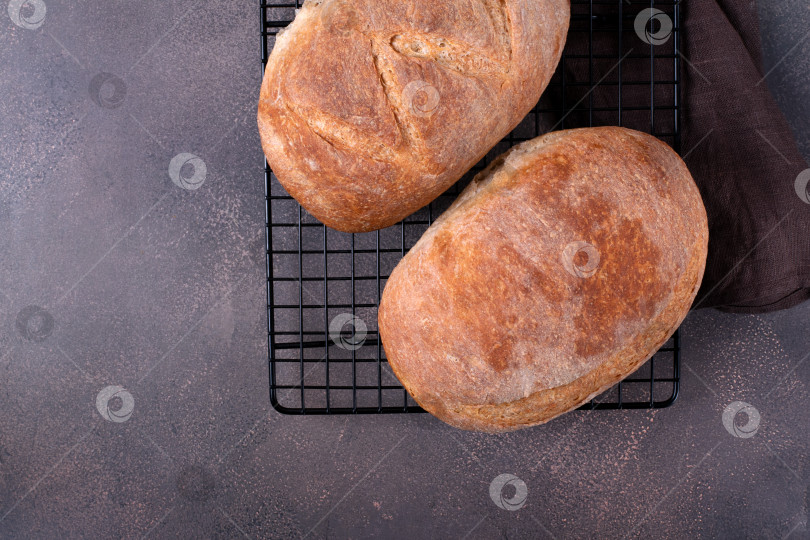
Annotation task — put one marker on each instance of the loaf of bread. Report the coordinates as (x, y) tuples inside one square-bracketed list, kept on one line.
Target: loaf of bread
[(557, 272), (370, 109)]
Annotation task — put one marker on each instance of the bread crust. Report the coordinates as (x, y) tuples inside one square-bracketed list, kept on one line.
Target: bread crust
[(560, 270), (370, 109)]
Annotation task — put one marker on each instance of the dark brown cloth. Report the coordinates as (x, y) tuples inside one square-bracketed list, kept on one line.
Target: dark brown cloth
[(744, 159), (733, 136)]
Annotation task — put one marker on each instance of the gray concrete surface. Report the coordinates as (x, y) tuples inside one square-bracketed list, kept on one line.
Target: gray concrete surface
[(785, 35), (141, 284)]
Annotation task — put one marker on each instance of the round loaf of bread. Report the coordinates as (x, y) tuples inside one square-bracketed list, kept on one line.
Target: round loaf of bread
[(370, 109), (557, 272)]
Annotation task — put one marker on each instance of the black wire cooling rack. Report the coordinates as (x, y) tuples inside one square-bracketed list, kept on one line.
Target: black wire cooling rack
[(620, 67)]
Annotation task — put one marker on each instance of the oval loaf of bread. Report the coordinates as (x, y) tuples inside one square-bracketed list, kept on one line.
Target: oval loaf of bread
[(370, 109), (559, 271)]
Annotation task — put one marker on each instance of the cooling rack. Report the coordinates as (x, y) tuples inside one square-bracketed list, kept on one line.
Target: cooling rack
[(620, 67)]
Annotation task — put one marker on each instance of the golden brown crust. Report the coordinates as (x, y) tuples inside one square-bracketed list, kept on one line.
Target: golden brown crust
[(558, 272), (370, 109)]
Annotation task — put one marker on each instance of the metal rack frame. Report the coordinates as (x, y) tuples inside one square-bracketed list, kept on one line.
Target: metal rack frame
[(315, 274)]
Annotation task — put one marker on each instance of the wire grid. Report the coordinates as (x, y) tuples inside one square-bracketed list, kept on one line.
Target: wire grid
[(608, 75)]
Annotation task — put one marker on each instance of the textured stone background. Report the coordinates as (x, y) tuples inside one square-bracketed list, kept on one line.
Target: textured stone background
[(160, 290)]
